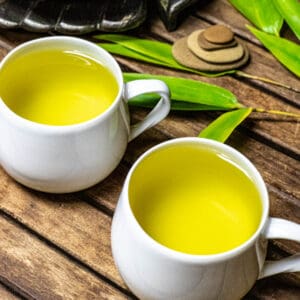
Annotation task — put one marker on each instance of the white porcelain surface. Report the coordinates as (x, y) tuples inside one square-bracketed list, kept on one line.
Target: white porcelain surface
[(70, 158), (153, 271)]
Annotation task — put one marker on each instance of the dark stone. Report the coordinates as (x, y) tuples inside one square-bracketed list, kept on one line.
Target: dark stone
[(169, 11), (72, 16), (12, 13), (79, 16)]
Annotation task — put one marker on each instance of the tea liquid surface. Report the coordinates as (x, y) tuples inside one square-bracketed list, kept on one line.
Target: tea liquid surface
[(194, 200), (57, 87)]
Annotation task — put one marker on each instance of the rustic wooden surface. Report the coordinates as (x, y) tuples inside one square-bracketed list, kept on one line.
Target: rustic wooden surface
[(58, 246)]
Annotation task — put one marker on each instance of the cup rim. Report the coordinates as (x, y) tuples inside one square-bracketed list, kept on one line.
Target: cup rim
[(60, 129), (196, 258)]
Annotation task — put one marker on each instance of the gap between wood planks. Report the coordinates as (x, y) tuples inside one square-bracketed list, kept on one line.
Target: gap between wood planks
[(264, 140), (60, 251), (10, 292)]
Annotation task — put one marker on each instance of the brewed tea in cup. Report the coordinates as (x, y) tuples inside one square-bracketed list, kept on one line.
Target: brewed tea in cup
[(64, 119), (195, 200), (57, 86), (192, 223)]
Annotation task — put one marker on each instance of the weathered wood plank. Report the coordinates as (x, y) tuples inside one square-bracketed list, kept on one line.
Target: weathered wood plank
[(265, 125), (43, 273), (11, 38), (267, 289), (107, 192), (71, 224), (5, 294)]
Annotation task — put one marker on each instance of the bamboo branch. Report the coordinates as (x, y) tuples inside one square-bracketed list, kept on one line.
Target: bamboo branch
[(267, 80), (277, 112)]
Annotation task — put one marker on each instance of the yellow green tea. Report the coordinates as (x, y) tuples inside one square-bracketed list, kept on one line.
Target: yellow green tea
[(194, 200), (57, 87)]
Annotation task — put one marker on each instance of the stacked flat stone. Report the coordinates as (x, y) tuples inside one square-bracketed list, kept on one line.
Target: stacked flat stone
[(214, 49)]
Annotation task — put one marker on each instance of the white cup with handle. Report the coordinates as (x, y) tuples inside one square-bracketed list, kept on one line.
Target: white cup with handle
[(154, 271), (62, 159)]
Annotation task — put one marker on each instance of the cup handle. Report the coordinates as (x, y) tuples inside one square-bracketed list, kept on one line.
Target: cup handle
[(282, 229), (158, 113)]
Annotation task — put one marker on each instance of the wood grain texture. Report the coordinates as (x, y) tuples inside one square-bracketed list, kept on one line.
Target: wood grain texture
[(264, 290), (5, 294), (33, 266), (71, 224)]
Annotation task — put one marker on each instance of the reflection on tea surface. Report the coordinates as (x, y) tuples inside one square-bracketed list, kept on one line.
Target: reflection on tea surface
[(194, 200), (57, 87)]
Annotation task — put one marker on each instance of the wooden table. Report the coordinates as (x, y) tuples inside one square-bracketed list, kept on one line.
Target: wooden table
[(58, 246)]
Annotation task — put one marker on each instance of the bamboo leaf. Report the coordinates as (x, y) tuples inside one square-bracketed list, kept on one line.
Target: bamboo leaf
[(261, 13), (193, 91), (290, 11), (287, 52), (221, 128), (153, 51), (150, 100), (187, 106), (120, 50)]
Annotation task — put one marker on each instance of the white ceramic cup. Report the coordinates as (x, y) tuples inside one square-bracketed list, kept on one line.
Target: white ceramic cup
[(153, 271), (69, 158)]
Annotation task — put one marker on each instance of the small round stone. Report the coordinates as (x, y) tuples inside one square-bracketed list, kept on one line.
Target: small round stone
[(187, 58), (206, 45), (228, 55), (218, 34)]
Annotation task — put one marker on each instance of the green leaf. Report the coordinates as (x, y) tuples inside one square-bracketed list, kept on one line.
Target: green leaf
[(120, 50), (150, 100), (154, 49), (261, 13), (187, 106), (193, 91), (290, 11), (152, 53), (287, 52), (221, 128)]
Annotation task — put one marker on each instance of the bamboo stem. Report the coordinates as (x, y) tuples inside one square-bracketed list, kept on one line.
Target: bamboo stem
[(267, 80), (277, 112)]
